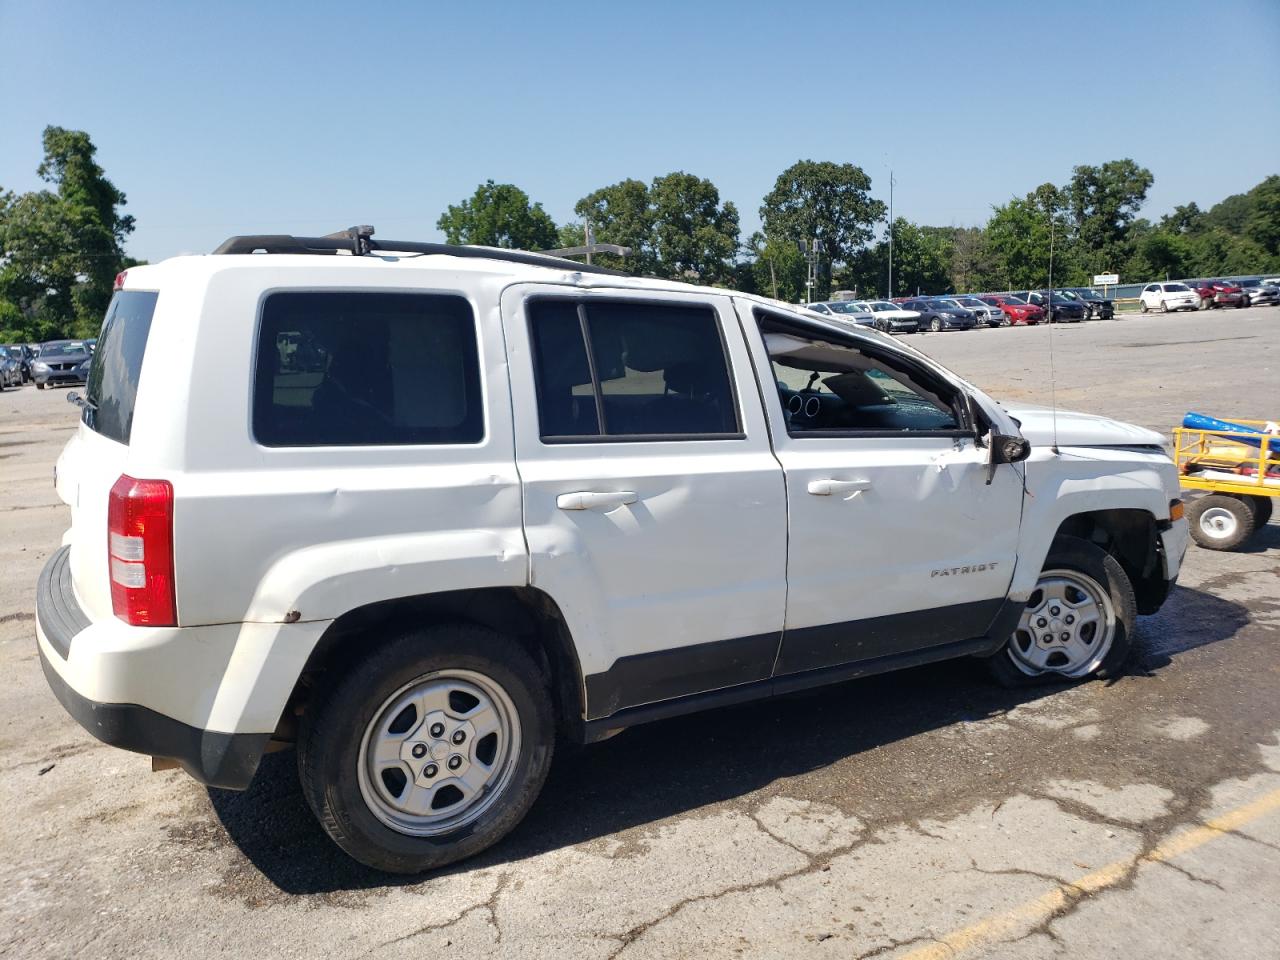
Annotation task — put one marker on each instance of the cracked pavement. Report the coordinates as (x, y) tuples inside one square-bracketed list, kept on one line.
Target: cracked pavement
[(925, 814)]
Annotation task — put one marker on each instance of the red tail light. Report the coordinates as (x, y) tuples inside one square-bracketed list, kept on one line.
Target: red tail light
[(140, 552), (119, 282)]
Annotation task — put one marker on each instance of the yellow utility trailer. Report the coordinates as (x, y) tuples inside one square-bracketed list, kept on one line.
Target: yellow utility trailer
[(1237, 464)]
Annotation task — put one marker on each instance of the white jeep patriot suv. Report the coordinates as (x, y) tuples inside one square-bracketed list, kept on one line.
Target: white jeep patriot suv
[(423, 509)]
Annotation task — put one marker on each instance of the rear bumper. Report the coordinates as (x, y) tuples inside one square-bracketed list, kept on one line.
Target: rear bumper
[(227, 760), (80, 659)]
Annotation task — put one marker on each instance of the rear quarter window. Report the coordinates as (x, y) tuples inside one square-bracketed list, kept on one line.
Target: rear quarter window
[(112, 388), (346, 369)]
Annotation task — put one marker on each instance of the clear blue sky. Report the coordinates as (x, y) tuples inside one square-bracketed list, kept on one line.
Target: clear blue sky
[(223, 118)]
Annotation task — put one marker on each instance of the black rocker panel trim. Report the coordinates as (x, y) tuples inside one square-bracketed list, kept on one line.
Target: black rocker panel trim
[(666, 683)]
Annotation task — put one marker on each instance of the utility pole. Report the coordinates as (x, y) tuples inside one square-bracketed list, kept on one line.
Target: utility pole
[(891, 233)]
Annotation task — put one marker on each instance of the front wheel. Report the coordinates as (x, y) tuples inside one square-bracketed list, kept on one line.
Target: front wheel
[(936, 325), (1164, 306), (1143, 306), (39, 385), (1077, 622), (430, 749)]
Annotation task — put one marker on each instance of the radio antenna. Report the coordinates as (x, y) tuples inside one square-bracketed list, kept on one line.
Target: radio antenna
[(1053, 375)]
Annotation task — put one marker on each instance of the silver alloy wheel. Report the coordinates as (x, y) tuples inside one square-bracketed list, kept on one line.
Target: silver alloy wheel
[(1067, 628), (438, 752), (1218, 523)]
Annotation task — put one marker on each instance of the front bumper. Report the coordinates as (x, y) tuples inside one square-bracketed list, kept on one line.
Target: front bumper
[(60, 376), (219, 759)]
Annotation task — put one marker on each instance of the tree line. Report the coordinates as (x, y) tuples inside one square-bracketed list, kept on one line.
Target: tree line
[(61, 247)]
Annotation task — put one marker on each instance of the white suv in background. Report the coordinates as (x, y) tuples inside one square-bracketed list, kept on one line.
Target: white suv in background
[(422, 510), (1168, 296)]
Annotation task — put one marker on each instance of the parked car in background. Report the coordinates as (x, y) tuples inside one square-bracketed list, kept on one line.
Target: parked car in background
[(23, 354), (988, 315), (890, 317), (1217, 293), (92, 344), (1018, 311), (937, 316), (1257, 292), (61, 361), (1168, 296), (1057, 308), (10, 369), (1097, 307), (846, 310)]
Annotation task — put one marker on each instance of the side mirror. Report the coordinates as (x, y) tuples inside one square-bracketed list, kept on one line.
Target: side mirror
[(1010, 449), (1005, 449)]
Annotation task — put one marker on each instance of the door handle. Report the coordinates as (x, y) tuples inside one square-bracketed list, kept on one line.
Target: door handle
[(595, 500), (825, 488)]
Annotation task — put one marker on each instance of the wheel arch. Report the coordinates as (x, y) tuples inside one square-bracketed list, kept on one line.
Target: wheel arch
[(1132, 536), (527, 614)]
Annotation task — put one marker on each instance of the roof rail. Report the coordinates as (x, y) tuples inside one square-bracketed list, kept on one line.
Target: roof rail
[(359, 242)]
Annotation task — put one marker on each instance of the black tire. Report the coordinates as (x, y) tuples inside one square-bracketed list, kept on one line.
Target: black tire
[(1242, 303), (1072, 553), (1261, 512), (1142, 305), (935, 325), (329, 744), (1221, 530), (39, 385), (1164, 306)]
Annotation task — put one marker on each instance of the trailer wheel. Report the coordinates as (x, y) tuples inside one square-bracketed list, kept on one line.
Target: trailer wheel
[(1221, 522), (1261, 511)]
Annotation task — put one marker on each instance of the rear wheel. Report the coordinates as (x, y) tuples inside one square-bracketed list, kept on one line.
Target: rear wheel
[(1077, 622), (429, 750), (1221, 522)]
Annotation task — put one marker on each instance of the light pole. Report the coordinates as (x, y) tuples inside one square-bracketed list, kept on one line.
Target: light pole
[(891, 181)]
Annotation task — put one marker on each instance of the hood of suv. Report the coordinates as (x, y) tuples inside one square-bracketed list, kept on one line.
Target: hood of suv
[(1079, 429)]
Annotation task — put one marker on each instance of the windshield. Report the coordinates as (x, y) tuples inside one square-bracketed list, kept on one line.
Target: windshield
[(880, 306), (1065, 294), (1176, 287), (844, 306), (14, 352), (949, 303), (62, 349), (1249, 283), (1011, 298)]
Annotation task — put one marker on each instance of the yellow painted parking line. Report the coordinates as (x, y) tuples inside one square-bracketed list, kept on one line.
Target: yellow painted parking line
[(999, 926)]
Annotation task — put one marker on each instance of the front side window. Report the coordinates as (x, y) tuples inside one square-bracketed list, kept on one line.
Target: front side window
[(609, 370), (343, 368), (827, 387)]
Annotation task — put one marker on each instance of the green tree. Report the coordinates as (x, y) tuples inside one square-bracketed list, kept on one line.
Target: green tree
[(1103, 202), (826, 201), (60, 249), (778, 269), (499, 215), (1018, 239), (695, 236), (1262, 223), (621, 213), (676, 227)]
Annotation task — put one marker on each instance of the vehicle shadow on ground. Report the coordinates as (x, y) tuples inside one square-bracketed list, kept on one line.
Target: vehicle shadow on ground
[(660, 770)]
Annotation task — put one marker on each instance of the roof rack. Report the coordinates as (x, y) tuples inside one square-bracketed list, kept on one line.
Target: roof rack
[(359, 242)]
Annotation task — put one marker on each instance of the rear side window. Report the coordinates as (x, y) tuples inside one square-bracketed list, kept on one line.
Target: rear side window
[(112, 388), (608, 370), (345, 369)]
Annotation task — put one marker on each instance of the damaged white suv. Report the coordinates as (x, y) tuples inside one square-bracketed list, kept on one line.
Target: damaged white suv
[(424, 509)]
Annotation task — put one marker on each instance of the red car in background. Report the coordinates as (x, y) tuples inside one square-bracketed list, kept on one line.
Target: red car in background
[(1018, 312), (1218, 293)]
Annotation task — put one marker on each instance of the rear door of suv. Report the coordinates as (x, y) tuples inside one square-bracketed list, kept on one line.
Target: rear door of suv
[(655, 511)]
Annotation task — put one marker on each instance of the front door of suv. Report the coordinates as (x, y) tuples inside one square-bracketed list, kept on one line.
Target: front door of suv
[(654, 508), (896, 542)]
